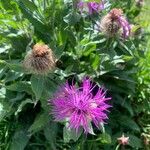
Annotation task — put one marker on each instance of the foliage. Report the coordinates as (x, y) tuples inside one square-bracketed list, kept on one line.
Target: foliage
[(122, 66)]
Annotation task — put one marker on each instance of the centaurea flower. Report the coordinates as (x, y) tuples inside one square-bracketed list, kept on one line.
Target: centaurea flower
[(80, 107)]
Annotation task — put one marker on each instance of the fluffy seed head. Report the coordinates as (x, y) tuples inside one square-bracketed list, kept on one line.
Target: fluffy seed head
[(80, 106), (114, 23), (40, 60)]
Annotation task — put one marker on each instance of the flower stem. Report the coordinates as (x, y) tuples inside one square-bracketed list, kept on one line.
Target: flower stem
[(117, 148)]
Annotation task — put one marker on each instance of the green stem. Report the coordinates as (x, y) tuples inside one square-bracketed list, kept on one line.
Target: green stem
[(117, 148)]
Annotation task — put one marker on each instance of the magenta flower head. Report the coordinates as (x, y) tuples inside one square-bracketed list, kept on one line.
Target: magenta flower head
[(90, 7), (115, 23), (80, 107)]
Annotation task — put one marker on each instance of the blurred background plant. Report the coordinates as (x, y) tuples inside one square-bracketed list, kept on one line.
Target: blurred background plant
[(121, 65)]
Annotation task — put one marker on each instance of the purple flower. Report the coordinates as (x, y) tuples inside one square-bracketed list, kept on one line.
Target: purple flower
[(79, 106), (125, 27), (91, 7)]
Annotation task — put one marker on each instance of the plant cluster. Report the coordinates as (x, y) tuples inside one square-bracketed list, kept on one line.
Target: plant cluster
[(74, 75)]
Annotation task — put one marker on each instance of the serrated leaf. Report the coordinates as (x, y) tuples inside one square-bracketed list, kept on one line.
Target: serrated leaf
[(135, 142), (129, 123), (37, 85)]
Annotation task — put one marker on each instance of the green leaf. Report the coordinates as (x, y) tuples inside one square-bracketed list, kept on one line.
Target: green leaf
[(30, 5), (135, 142), (49, 88), (23, 103), (2, 111), (128, 122), (36, 23), (16, 67), (37, 84), (50, 132), (59, 51), (90, 47), (105, 138), (96, 61), (19, 140), (70, 134), (40, 121), (11, 76), (72, 18), (20, 86)]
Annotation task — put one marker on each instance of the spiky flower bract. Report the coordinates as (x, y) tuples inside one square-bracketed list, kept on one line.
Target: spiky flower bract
[(79, 106), (114, 23), (40, 60)]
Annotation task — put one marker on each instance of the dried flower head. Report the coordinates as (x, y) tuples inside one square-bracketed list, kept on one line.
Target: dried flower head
[(114, 23), (139, 3), (79, 106), (40, 60), (123, 140), (90, 7)]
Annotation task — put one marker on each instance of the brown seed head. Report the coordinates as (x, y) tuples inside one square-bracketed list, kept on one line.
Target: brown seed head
[(40, 60), (109, 24), (115, 13), (40, 50)]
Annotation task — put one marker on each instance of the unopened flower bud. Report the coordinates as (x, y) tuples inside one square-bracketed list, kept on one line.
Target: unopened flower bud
[(123, 140)]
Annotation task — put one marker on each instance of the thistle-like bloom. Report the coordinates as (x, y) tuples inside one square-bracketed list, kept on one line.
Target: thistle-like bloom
[(40, 60), (123, 140), (79, 106), (90, 7), (115, 23)]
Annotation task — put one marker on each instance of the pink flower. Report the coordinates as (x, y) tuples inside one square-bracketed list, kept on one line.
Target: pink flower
[(91, 7), (123, 140), (125, 27), (79, 106)]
